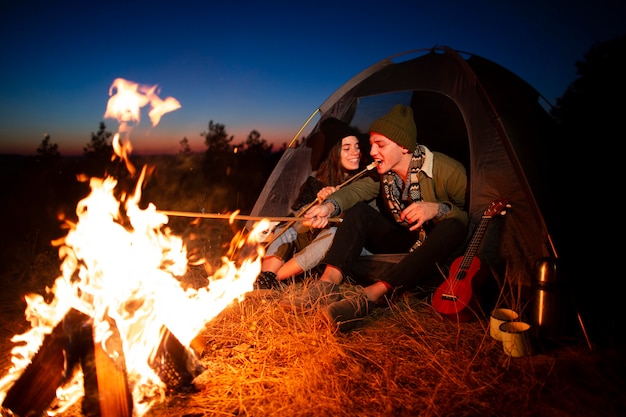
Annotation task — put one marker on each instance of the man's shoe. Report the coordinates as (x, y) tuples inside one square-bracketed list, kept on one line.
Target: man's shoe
[(266, 281), (317, 293), (347, 313)]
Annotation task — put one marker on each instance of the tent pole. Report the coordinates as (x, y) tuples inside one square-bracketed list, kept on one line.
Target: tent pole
[(303, 126)]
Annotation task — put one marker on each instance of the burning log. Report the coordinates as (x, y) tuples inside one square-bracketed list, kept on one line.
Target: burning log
[(111, 390), (69, 346), (106, 387), (175, 364), (33, 392)]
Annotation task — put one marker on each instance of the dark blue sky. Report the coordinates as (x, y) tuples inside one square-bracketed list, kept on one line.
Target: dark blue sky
[(256, 65)]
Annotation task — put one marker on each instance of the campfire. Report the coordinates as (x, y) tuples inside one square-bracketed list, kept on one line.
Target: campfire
[(117, 329)]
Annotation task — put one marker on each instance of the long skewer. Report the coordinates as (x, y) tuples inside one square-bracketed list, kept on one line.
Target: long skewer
[(303, 210), (235, 216)]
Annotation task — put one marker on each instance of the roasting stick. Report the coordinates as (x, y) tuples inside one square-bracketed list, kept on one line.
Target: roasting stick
[(303, 210), (235, 217)]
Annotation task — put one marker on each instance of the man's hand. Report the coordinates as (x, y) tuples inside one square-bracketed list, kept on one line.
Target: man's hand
[(419, 213), (317, 216)]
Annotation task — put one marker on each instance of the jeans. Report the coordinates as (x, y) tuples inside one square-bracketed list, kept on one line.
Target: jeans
[(365, 227)]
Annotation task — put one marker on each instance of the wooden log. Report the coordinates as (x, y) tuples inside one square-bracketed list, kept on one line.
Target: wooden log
[(176, 364), (69, 346), (86, 355), (114, 395), (35, 389), (105, 382)]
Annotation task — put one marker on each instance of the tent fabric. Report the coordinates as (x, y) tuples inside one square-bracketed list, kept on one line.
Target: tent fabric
[(473, 110)]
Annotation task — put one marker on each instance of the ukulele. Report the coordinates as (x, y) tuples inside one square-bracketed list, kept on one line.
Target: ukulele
[(453, 297)]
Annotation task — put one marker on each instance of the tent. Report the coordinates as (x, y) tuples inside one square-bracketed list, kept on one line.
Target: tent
[(471, 109)]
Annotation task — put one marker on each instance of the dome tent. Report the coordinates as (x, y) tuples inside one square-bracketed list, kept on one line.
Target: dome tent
[(478, 113)]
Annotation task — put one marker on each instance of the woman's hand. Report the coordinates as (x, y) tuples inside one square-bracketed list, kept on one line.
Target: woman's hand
[(419, 213), (325, 192)]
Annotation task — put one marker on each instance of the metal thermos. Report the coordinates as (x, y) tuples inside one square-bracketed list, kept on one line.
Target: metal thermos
[(551, 309)]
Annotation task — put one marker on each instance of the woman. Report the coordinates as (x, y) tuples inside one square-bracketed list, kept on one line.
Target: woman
[(301, 248)]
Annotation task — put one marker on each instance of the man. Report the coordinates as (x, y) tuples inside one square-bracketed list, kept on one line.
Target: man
[(423, 213)]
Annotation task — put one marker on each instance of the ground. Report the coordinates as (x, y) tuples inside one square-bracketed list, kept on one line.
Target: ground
[(405, 360)]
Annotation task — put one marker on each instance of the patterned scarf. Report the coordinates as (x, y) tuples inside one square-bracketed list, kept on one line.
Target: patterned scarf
[(398, 196)]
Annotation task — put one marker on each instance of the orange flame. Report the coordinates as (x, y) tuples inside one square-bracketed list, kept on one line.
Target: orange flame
[(121, 264), (127, 98)]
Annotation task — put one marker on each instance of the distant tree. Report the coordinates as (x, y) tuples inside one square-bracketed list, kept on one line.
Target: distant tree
[(239, 170), (283, 147), (216, 139), (99, 155), (590, 110), (185, 149), (219, 156), (100, 143), (589, 115), (48, 160), (47, 149), (252, 165), (255, 144)]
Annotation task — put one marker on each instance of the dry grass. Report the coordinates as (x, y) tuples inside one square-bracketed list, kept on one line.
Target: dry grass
[(403, 360)]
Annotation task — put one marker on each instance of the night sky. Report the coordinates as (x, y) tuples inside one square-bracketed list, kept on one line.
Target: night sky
[(255, 65)]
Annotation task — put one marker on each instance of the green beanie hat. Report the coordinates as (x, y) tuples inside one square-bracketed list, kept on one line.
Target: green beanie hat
[(398, 125)]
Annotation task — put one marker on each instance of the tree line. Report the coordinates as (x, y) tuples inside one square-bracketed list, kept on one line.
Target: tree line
[(42, 191), (228, 173)]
